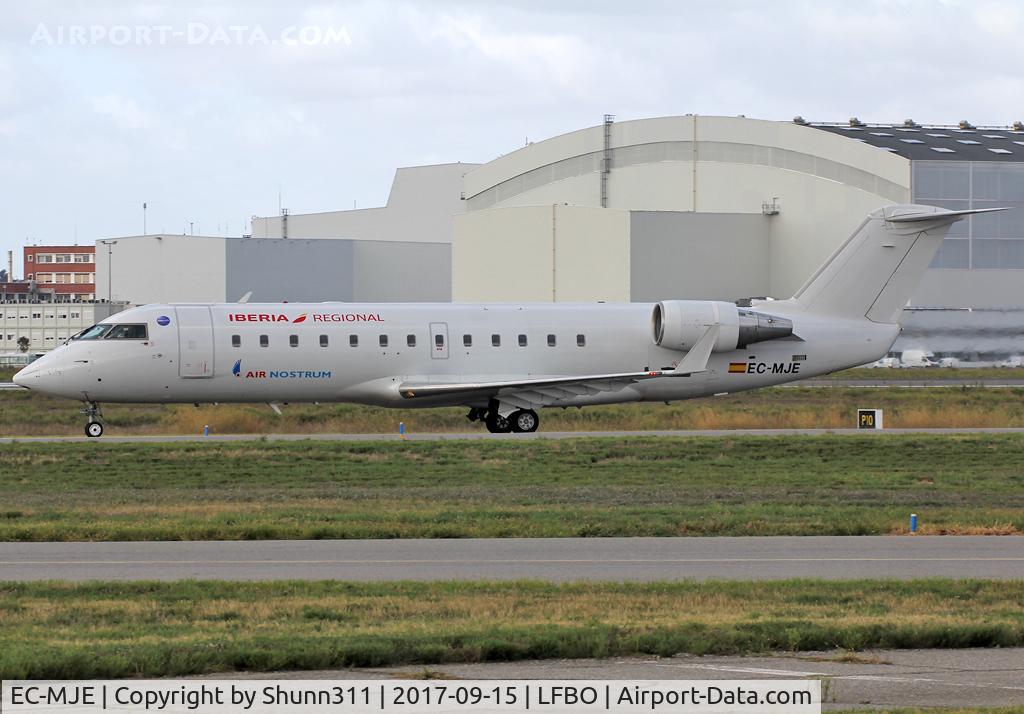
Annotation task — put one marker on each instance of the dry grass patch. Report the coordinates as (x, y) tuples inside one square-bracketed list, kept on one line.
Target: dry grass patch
[(119, 629)]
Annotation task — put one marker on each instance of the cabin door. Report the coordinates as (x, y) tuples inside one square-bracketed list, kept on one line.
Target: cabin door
[(195, 342)]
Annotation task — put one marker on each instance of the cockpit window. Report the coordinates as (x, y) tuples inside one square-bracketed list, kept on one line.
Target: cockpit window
[(93, 333), (127, 332)]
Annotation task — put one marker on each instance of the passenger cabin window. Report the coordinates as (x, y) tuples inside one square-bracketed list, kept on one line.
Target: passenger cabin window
[(495, 340), (93, 333), (467, 340), (353, 340), (383, 340), (410, 340), (236, 340), (127, 332), (293, 340), (581, 340), (551, 340), (264, 341), (522, 340), (323, 340)]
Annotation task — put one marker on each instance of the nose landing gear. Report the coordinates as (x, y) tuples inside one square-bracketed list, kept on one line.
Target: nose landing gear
[(94, 424)]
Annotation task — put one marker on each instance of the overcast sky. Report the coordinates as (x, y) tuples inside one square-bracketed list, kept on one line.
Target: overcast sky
[(206, 110)]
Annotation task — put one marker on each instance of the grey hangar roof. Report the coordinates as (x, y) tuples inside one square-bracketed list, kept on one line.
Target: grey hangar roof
[(935, 143)]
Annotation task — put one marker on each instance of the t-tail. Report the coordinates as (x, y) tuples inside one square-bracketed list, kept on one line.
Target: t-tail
[(875, 272)]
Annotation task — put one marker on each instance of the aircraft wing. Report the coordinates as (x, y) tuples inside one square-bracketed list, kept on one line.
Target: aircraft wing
[(533, 392), (530, 393)]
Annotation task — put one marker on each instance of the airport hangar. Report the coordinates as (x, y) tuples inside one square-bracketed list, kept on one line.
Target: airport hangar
[(650, 209), (717, 208)]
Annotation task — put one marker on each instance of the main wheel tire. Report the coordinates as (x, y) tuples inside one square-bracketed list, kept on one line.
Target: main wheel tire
[(94, 429), (497, 424), (525, 421)]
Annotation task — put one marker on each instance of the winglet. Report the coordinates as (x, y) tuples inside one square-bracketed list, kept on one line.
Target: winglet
[(245, 298)]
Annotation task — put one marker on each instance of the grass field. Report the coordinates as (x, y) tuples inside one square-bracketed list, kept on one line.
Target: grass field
[(583, 487), (24, 413), (59, 630)]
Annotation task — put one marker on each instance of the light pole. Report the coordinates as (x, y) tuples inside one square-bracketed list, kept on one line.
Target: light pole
[(110, 266)]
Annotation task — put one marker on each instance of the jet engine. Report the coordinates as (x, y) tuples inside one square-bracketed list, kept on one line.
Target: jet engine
[(678, 324)]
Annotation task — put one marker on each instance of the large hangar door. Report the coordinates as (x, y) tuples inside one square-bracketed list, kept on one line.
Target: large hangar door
[(195, 342)]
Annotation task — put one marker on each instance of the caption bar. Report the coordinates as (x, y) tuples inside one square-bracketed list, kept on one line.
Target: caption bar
[(359, 696)]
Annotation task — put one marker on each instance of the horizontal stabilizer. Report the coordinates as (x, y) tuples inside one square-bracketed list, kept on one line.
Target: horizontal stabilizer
[(951, 216)]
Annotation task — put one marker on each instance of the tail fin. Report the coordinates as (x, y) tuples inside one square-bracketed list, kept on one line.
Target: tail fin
[(874, 273)]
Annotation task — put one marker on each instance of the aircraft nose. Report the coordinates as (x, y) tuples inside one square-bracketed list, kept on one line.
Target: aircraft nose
[(21, 376), (39, 378)]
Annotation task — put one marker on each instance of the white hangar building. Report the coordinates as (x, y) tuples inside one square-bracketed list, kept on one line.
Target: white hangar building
[(713, 207), (693, 206)]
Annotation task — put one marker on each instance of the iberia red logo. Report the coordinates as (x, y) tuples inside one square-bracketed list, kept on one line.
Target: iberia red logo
[(316, 317)]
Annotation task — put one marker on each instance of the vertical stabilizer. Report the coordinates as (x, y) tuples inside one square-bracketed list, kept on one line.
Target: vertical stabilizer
[(874, 273)]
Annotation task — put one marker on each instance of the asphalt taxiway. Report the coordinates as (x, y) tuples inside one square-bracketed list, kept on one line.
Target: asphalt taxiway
[(871, 679), (481, 434), (549, 559)]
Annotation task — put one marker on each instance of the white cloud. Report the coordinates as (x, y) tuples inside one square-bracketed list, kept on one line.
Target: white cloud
[(449, 79), (125, 113)]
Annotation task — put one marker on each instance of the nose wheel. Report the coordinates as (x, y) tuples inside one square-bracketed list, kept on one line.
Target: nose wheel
[(93, 424)]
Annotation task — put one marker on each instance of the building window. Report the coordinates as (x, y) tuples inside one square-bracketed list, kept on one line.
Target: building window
[(551, 340), (410, 340), (82, 258), (45, 258), (36, 315), (264, 341), (581, 340), (293, 340), (75, 315), (323, 340), (236, 340), (522, 340), (353, 340), (383, 340), (467, 340), (31, 257), (63, 258), (495, 340)]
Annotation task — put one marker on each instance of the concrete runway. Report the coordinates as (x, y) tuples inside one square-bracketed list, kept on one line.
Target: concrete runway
[(476, 435), (880, 678), (550, 559)]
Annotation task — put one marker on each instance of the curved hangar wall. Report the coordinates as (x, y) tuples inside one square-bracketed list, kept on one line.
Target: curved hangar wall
[(671, 207)]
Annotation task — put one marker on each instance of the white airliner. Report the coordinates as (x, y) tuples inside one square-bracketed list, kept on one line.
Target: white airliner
[(504, 361)]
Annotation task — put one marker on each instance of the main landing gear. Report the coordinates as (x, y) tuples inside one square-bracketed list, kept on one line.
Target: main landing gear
[(523, 421), (93, 425)]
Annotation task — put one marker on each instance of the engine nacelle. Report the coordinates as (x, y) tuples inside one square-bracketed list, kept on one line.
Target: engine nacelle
[(678, 324)]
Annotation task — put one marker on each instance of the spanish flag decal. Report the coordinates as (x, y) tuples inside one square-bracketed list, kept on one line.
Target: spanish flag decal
[(737, 367)]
